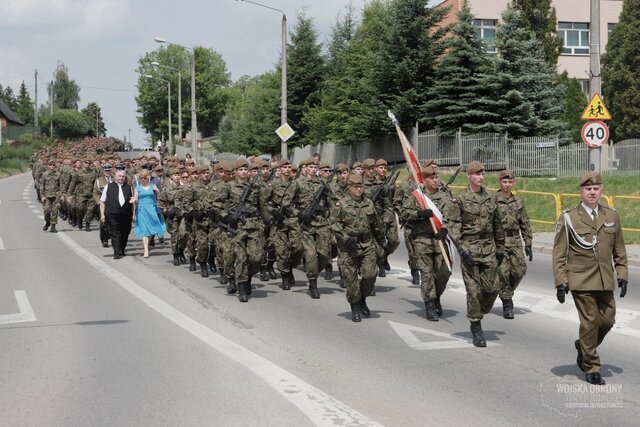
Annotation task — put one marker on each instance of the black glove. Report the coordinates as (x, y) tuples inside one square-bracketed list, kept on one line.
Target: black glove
[(232, 221), (278, 216), (622, 284), (304, 218), (211, 215), (440, 235), (425, 213), (188, 216), (467, 257), (561, 292), (352, 243), (528, 252), (197, 215), (500, 257), (171, 214)]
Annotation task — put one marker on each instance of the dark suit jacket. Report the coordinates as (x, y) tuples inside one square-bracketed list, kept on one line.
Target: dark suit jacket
[(112, 204)]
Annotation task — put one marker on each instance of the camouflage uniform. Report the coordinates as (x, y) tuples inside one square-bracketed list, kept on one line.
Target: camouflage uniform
[(358, 229), (200, 227), (434, 273), (82, 189), (514, 222), (399, 195), (315, 234), (183, 201), (475, 226), (50, 191), (166, 202)]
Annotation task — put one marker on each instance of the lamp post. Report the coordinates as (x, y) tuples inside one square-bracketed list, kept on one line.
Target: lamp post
[(149, 76), (157, 64), (283, 88), (194, 127)]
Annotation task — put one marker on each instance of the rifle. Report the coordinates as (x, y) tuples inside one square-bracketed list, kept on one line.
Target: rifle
[(445, 187), (391, 179), (314, 207), (241, 209)]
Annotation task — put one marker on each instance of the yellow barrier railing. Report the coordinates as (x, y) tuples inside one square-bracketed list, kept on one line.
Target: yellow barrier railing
[(556, 199)]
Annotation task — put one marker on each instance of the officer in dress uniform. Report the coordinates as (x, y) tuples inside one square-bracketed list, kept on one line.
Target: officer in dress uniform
[(587, 248)]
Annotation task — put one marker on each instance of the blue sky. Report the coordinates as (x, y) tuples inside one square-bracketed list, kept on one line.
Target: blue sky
[(100, 42)]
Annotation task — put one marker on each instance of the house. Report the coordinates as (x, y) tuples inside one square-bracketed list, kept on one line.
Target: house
[(573, 16), (7, 117)]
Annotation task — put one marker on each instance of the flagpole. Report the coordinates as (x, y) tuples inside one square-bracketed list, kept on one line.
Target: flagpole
[(414, 167)]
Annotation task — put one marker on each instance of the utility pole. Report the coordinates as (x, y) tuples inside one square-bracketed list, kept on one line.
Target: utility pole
[(51, 110), (595, 80), (35, 103)]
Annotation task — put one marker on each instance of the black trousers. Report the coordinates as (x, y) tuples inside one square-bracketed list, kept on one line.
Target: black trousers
[(119, 229)]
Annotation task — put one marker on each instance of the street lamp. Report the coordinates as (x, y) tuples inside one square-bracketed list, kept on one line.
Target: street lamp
[(149, 76), (157, 64), (194, 127), (283, 88)]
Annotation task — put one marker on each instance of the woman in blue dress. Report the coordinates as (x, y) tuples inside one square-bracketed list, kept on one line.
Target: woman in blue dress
[(147, 221)]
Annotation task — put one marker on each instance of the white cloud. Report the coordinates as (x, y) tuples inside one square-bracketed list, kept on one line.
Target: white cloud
[(68, 18)]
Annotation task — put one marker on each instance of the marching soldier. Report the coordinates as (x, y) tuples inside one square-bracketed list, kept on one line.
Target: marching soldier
[(49, 193), (399, 196), (474, 224), (588, 248), (357, 228), (389, 215), (308, 201), (82, 189), (434, 273), (166, 202), (338, 190), (515, 223)]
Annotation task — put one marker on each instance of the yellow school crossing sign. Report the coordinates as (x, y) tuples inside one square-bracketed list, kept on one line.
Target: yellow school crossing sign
[(596, 110)]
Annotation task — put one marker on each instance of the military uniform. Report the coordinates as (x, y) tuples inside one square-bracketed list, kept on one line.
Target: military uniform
[(358, 229), (82, 189), (475, 226), (50, 192), (166, 202), (517, 228), (586, 251), (399, 196)]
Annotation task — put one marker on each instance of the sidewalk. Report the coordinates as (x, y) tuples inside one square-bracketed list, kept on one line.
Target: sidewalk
[(543, 242)]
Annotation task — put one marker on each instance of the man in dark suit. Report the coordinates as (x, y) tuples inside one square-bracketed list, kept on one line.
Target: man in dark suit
[(116, 210)]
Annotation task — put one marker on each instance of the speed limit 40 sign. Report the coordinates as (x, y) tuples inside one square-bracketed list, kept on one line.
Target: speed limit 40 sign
[(595, 133)]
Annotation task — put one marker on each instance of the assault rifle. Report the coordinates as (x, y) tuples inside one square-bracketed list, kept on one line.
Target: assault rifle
[(445, 187), (390, 180), (314, 207), (240, 209)]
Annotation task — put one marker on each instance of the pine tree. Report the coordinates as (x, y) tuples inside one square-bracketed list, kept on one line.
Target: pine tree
[(24, 108), (527, 96), (620, 79), (9, 98), (574, 104), (457, 99), (406, 67), (305, 73), (539, 17)]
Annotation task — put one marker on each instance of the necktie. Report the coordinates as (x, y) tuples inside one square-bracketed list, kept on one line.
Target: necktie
[(120, 196), (594, 215)]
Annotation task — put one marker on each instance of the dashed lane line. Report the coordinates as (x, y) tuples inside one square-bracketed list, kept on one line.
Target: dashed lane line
[(25, 314)]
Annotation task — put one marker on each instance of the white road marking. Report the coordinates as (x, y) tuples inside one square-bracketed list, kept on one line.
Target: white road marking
[(321, 408), (408, 335), (26, 313), (35, 211), (1, 244), (32, 206), (25, 197)]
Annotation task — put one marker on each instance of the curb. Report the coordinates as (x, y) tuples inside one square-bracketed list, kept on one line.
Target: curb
[(633, 260)]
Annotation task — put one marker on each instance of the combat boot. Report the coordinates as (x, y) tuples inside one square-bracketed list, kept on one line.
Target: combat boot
[(313, 288), (373, 291), (432, 314), (183, 259), (363, 307), (80, 223), (387, 266), (478, 335), (212, 263), (204, 269), (285, 281), (355, 313), (53, 228), (263, 274), (271, 271), (46, 226), (231, 286), (176, 259), (192, 263), (436, 302), (381, 271), (88, 226), (292, 280), (223, 278), (247, 286), (415, 276), (507, 308), (242, 292), (341, 280), (328, 272)]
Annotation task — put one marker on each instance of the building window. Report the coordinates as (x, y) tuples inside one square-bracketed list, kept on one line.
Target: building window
[(486, 31), (610, 27), (575, 37)]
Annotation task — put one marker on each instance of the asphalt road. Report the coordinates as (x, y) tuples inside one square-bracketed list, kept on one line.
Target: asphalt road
[(87, 340)]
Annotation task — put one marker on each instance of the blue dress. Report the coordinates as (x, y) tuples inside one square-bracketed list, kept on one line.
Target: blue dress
[(148, 222)]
